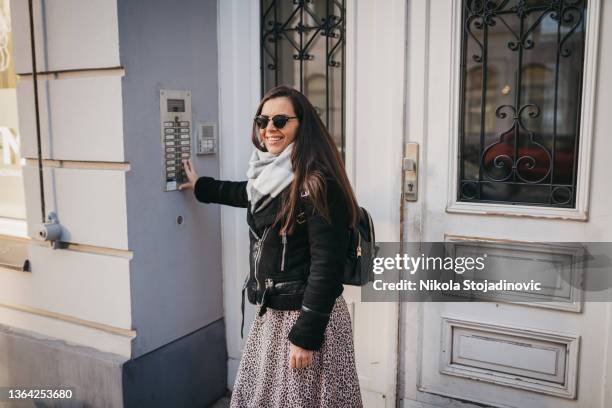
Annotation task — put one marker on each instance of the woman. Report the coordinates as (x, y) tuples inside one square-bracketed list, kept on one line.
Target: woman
[(299, 352)]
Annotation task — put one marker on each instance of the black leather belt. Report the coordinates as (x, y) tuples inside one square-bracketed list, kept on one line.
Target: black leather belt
[(280, 295)]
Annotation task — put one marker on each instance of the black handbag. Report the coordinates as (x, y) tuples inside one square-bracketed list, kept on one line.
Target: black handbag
[(361, 252)]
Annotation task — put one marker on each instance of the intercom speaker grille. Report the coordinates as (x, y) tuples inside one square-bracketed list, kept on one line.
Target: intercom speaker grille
[(208, 131)]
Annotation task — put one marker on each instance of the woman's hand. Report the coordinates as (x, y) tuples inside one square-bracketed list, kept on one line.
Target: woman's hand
[(299, 357), (192, 176)]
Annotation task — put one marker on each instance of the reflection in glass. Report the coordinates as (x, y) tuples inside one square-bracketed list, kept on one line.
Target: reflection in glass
[(522, 65), (12, 203)]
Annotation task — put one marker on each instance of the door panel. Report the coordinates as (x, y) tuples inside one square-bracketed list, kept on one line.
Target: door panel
[(497, 352)]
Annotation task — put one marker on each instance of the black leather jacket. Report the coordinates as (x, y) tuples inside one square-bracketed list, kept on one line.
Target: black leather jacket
[(301, 271)]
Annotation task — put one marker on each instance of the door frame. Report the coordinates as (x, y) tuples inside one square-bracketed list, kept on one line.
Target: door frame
[(375, 125)]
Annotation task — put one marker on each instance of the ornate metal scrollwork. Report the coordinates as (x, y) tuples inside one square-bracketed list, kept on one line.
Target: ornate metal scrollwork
[(330, 25), (527, 161), (524, 160), (304, 39), (488, 13)]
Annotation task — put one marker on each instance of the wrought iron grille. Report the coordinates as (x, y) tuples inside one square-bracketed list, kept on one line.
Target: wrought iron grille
[(521, 87), (302, 45)]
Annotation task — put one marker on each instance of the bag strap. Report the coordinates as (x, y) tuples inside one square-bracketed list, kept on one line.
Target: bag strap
[(301, 209)]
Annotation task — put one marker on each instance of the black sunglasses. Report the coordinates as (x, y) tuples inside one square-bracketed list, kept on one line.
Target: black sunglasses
[(279, 121)]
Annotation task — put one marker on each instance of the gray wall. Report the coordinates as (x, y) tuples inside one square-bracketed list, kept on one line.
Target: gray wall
[(175, 275), (174, 377), (30, 360)]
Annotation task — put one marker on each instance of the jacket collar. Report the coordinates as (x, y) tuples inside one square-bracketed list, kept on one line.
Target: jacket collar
[(265, 216)]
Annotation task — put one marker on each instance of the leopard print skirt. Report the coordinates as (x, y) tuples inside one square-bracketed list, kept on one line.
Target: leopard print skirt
[(265, 379)]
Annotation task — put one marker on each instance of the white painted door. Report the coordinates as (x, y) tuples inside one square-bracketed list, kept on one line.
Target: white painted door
[(501, 353), (374, 49)]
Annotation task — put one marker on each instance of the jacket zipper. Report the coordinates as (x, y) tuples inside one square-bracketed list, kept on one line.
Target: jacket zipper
[(372, 237), (253, 231), (284, 239), (258, 255)]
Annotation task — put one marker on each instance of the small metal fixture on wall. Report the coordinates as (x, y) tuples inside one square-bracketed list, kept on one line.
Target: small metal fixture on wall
[(51, 230), (207, 138), (410, 167)]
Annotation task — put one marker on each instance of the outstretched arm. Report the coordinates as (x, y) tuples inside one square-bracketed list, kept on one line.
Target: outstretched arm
[(210, 190)]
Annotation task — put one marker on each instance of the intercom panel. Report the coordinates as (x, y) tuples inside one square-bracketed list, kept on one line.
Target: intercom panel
[(206, 139), (176, 126)]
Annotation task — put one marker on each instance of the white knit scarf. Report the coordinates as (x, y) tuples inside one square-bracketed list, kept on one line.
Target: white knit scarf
[(268, 175)]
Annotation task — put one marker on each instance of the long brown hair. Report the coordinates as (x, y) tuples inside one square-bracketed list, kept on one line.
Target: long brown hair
[(314, 157)]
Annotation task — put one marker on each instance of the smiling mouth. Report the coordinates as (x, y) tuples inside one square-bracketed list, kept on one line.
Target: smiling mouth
[(274, 139)]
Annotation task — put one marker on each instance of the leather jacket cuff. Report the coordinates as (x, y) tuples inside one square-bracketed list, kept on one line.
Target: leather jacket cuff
[(308, 331), (205, 190)]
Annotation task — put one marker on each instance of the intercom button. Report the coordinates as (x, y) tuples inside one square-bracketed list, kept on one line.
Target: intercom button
[(184, 130), (184, 123), (169, 130)]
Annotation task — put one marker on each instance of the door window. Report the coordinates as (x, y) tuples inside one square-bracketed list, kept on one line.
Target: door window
[(302, 45), (521, 87)]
